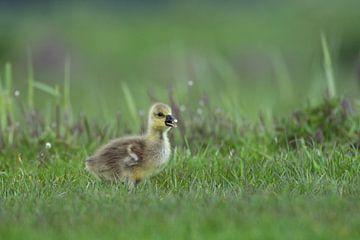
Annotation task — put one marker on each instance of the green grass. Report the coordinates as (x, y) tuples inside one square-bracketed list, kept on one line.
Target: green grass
[(255, 192), (252, 186)]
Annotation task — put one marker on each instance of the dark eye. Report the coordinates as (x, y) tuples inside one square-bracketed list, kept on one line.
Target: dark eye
[(160, 114)]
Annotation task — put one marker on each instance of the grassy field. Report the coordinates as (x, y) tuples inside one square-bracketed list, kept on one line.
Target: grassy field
[(268, 107), (249, 188)]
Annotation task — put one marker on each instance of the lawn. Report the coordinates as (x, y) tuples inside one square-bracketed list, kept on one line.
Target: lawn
[(269, 134), (251, 186), (254, 192)]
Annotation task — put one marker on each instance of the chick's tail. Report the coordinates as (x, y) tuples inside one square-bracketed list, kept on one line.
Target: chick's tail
[(90, 164)]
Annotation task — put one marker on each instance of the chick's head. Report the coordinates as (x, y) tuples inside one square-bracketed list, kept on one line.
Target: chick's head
[(160, 117)]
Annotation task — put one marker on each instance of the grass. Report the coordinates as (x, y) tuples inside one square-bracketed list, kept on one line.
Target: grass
[(287, 170), (246, 180), (253, 191)]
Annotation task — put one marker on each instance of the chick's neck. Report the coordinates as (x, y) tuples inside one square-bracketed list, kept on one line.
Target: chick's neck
[(154, 134)]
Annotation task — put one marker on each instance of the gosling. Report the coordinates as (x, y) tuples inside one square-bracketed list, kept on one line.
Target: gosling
[(131, 159)]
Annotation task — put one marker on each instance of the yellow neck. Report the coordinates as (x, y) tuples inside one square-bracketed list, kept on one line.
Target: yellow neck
[(156, 135)]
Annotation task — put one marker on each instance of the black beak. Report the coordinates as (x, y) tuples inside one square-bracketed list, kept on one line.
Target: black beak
[(170, 121)]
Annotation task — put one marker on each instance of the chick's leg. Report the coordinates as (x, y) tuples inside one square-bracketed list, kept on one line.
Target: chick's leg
[(132, 182)]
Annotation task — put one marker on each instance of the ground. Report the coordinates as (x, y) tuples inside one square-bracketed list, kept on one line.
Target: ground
[(254, 192)]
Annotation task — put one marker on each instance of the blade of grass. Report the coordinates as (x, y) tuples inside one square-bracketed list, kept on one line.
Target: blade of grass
[(8, 96), (67, 84), (57, 112), (30, 82), (282, 76), (130, 104), (329, 72), (45, 88), (2, 106), (8, 77)]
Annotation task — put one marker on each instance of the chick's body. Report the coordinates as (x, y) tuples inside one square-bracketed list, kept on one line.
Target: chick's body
[(135, 158)]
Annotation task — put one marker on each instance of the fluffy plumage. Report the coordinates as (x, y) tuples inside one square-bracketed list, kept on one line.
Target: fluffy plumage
[(132, 159)]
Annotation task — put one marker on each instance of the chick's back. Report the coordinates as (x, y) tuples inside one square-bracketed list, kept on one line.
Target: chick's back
[(114, 160)]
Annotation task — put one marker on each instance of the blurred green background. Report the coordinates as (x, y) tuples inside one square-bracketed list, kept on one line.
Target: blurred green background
[(244, 56)]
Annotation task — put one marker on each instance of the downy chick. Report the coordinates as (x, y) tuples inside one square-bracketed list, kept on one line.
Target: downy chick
[(131, 159)]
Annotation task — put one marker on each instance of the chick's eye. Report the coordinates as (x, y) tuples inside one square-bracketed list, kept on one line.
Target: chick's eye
[(160, 114)]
